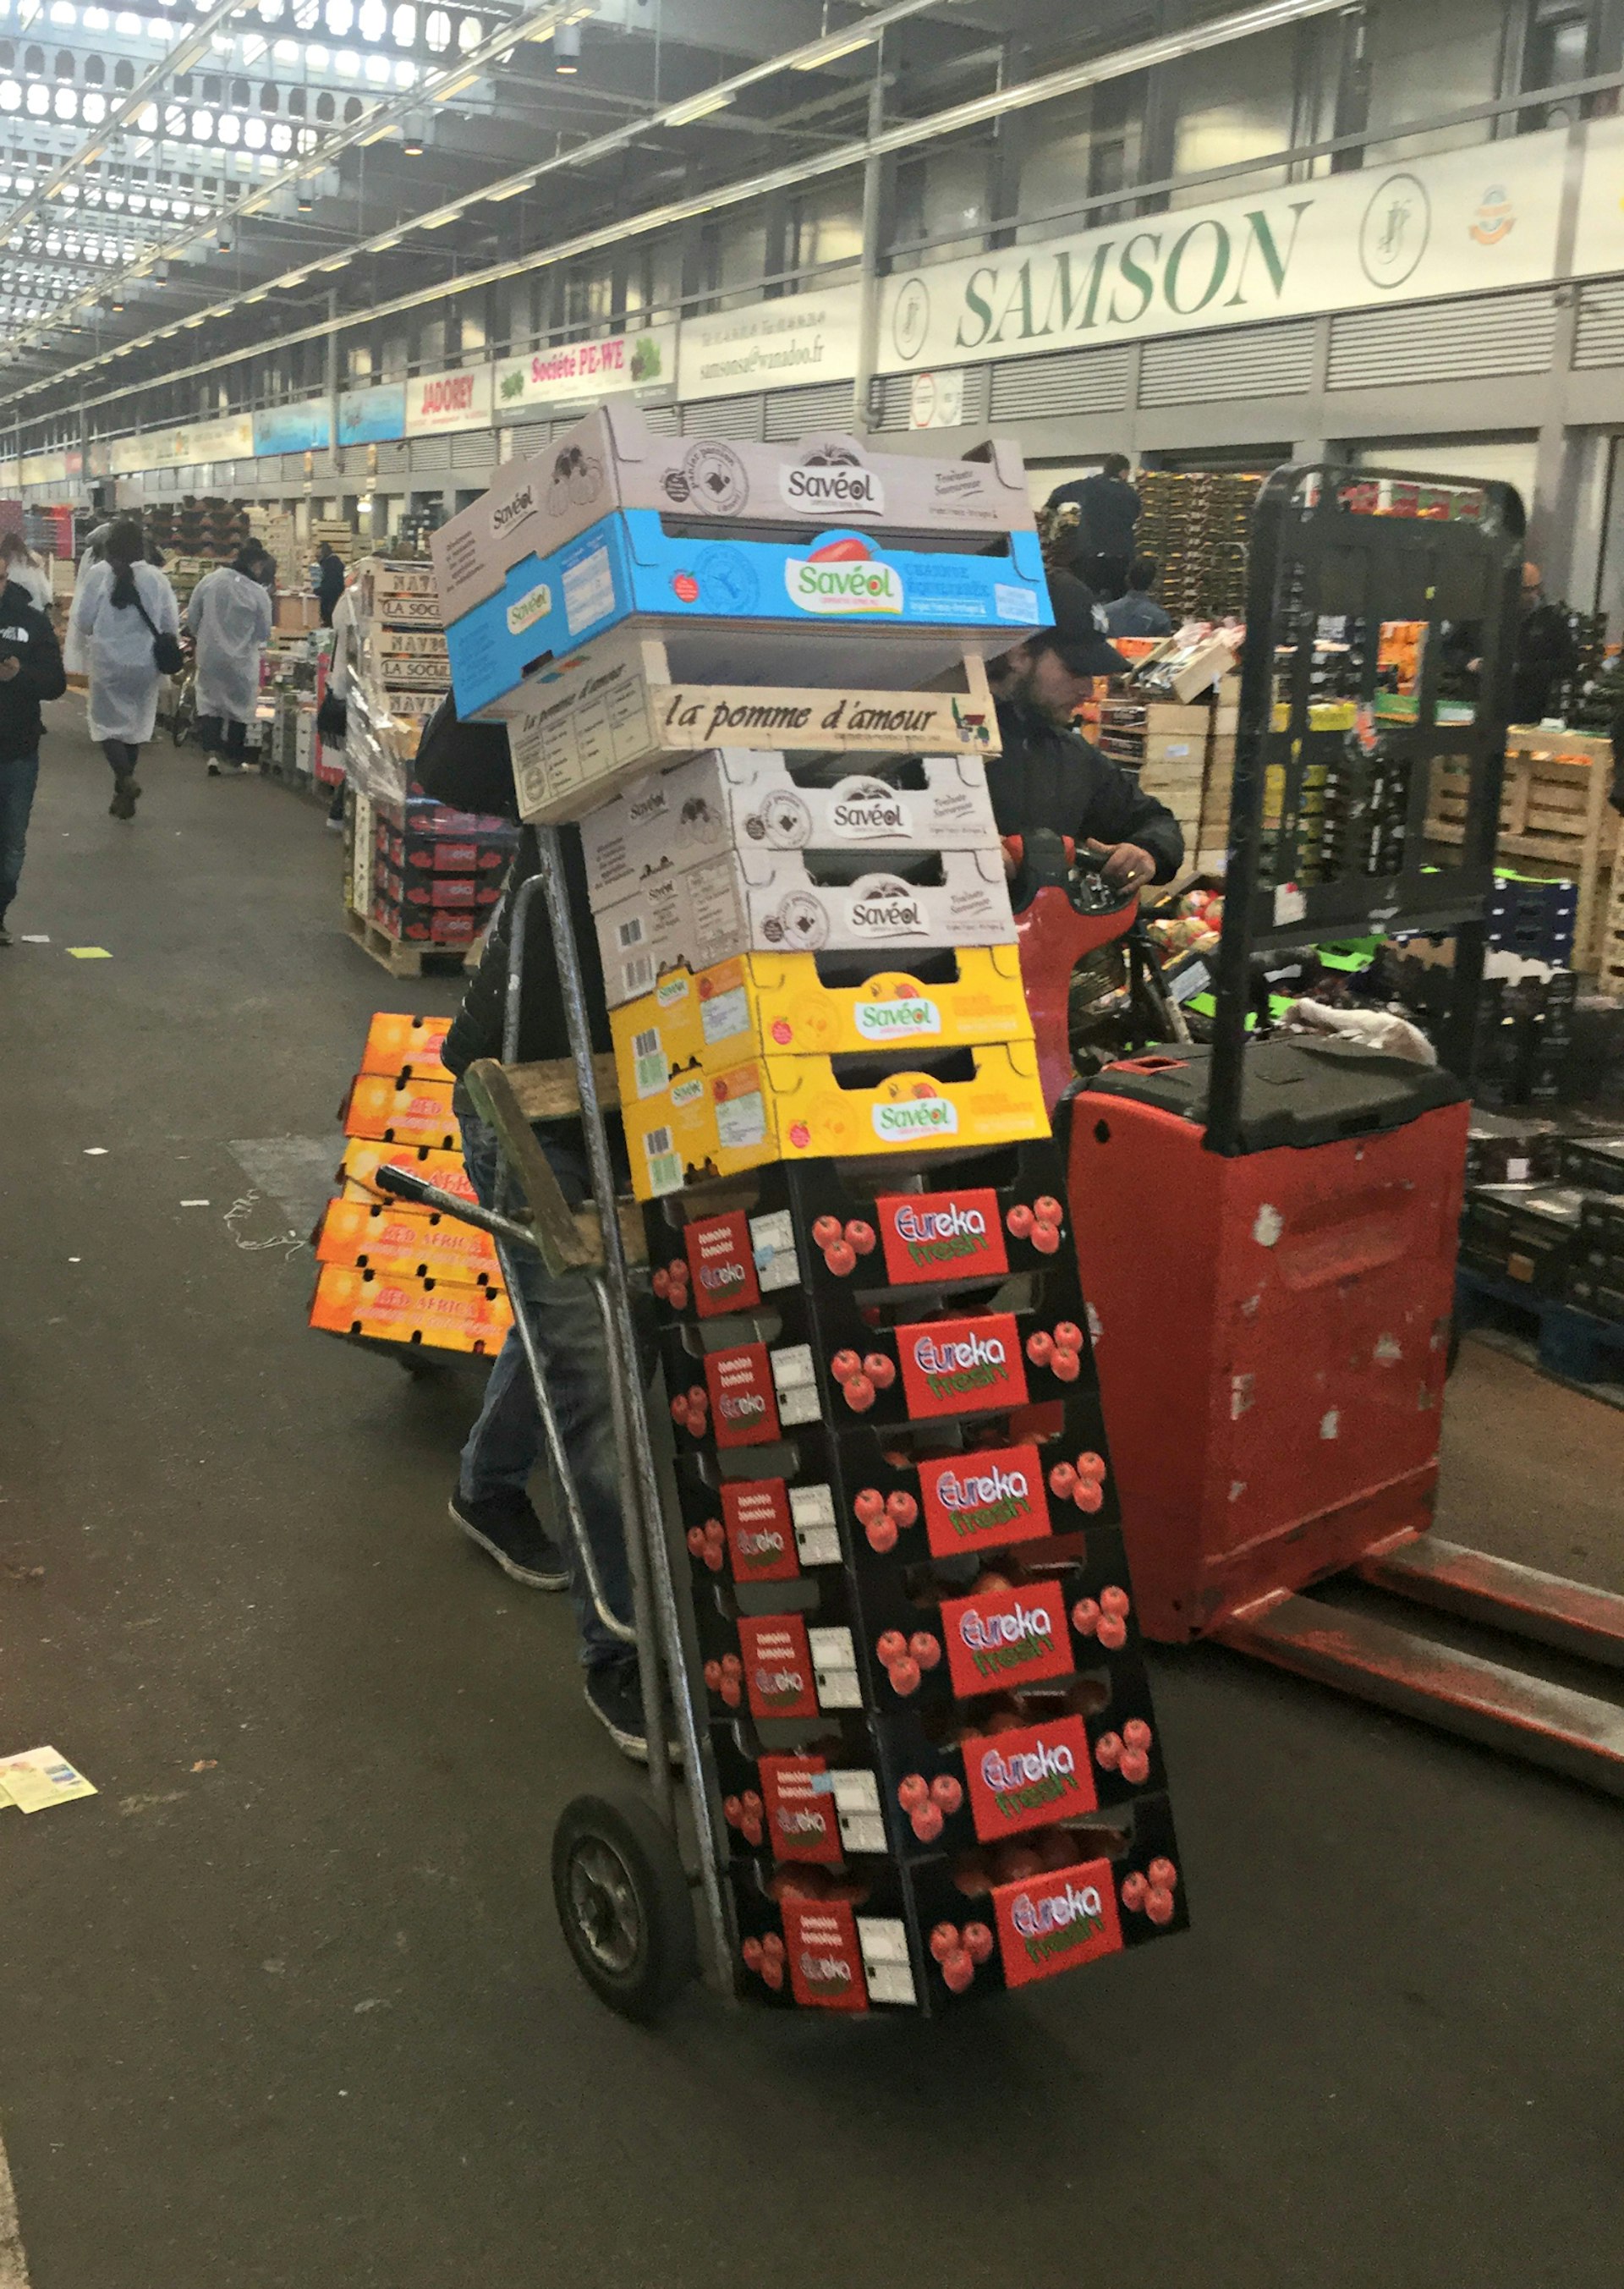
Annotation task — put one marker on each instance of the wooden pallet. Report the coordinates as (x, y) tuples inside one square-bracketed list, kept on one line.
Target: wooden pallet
[(1610, 946), (1555, 821), (400, 959)]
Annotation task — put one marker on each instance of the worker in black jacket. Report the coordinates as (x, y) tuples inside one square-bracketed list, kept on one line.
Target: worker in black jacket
[(466, 765), (1047, 775), (30, 671), (1108, 510)]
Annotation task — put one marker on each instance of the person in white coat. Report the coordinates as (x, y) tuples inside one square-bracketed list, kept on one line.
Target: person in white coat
[(122, 606), (20, 566), (230, 617)]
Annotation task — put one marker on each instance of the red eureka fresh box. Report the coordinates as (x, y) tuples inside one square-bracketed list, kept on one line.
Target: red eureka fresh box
[(825, 1960), (760, 1531), (962, 1366), (1007, 1638), (929, 1235), (984, 1501), (1029, 1777), (802, 1820), (722, 1264), (740, 1383), (778, 1658), (1052, 1923)]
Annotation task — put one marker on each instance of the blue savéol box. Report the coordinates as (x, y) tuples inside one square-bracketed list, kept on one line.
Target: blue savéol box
[(628, 566)]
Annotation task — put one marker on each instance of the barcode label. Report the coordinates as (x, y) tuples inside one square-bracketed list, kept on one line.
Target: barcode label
[(646, 1044), (630, 933), (656, 1142), (638, 975)]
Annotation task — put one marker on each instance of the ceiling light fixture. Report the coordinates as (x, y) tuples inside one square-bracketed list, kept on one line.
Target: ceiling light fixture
[(830, 50), (566, 50), (698, 107)]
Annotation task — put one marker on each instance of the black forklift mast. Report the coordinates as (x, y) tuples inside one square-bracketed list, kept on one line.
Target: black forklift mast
[(1335, 548)]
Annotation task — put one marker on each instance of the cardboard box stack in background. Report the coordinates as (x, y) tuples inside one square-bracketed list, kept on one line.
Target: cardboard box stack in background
[(1172, 723), (935, 1783), (437, 873), (388, 1271)]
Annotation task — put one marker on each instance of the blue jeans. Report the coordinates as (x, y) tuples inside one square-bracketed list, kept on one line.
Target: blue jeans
[(19, 778), (505, 1444)]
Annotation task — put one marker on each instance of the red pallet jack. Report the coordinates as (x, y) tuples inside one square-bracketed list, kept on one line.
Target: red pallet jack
[(1267, 1227)]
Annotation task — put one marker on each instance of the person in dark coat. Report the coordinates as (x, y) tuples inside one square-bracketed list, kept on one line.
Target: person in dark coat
[(1137, 613), (30, 671), (1545, 653), (1108, 508), (468, 766), (329, 580), (1049, 775)]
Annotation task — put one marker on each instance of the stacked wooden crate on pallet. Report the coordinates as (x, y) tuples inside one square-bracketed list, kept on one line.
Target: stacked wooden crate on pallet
[(1610, 952), (1211, 848), (1184, 754), (1555, 821)]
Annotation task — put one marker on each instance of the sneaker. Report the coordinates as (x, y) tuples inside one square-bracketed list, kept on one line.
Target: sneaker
[(506, 1528), (125, 794), (615, 1696), (214, 768), (335, 826)]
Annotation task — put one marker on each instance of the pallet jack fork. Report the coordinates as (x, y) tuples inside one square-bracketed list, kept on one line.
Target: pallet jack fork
[(1233, 1509)]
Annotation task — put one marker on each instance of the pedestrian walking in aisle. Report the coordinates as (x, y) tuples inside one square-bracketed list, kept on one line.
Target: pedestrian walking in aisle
[(329, 580), (468, 766), (230, 616), (127, 625), (332, 716), (19, 564), (1107, 511), (30, 670), (1137, 613)]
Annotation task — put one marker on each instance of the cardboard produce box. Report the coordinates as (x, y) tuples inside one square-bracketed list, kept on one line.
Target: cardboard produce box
[(768, 599), (781, 901), (440, 1314), (606, 715), (784, 1108), (762, 1004), (613, 460), (694, 809), (407, 1241)]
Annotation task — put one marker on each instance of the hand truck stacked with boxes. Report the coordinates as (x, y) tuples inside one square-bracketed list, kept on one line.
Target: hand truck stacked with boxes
[(905, 1665)]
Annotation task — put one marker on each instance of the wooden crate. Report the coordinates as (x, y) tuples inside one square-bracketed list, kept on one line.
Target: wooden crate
[(1555, 820), (1610, 950)]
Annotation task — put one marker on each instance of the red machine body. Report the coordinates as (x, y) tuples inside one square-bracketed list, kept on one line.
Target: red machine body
[(1273, 1325), (1069, 914)]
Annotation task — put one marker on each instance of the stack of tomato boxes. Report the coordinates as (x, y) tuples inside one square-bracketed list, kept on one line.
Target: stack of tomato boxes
[(387, 1273), (941, 1768)]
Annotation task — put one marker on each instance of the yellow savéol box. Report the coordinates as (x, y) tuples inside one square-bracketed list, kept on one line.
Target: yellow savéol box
[(719, 1119), (762, 1004)]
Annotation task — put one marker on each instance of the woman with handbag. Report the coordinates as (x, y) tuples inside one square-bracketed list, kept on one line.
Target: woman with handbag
[(230, 616), (128, 624)]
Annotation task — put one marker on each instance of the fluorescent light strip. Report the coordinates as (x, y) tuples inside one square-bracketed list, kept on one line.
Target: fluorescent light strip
[(697, 106)]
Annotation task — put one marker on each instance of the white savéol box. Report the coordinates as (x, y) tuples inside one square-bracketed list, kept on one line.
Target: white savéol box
[(612, 459), (737, 798), (781, 901)]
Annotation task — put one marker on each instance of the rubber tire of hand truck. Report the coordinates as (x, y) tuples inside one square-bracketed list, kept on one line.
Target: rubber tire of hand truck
[(664, 1953)]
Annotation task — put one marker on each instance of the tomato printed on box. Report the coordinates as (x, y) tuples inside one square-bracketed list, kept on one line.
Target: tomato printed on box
[(820, 1937), (962, 1366), (1052, 1923), (1029, 1777), (984, 1501), (740, 1383), (1007, 1638), (802, 1820), (722, 1262), (927, 1234), (760, 1532), (777, 1659)]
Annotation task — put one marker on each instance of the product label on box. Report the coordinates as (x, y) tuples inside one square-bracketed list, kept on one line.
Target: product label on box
[(741, 1387), (795, 1383), (881, 907), (802, 1819), (723, 1265), (772, 1243), (984, 1501), (820, 1937), (813, 486), (777, 1666), (817, 1537), (1054, 1922), (921, 1118), (1007, 1638), (961, 1366), (1028, 1778), (761, 1533), (926, 1234), (914, 1017), (842, 574)]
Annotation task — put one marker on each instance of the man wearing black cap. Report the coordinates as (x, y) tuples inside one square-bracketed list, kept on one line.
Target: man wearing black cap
[(1047, 775)]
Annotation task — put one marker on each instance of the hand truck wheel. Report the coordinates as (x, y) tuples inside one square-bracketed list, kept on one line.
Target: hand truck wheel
[(624, 1901)]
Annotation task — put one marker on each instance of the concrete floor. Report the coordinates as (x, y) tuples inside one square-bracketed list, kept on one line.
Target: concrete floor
[(285, 2006)]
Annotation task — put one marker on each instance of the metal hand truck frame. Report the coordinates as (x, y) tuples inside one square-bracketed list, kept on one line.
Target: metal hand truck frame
[(623, 1893)]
